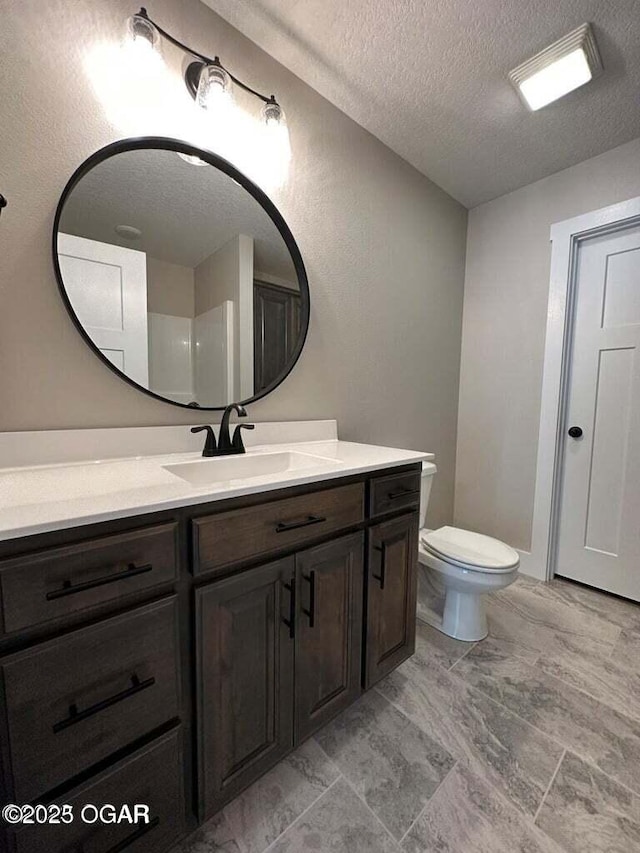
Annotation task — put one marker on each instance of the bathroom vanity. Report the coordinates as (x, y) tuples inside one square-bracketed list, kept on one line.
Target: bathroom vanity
[(170, 656), (172, 626)]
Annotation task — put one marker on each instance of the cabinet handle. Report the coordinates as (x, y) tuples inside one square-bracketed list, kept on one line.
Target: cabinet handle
[(76, 716), (283, 526), (311, 612), (291, 621), (134, 836), (402, 493), (383, 565), (70, 589)]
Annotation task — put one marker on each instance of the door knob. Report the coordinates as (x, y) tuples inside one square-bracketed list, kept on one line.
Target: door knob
[(575, 432)]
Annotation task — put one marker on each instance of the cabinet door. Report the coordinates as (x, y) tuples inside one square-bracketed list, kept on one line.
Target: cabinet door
[(329, 632), (244, 680), (391, 595)]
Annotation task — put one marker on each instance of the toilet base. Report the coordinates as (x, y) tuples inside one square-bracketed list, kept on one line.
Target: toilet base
[(460, 620), (464, 616)]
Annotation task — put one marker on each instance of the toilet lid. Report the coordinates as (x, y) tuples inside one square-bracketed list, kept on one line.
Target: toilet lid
[(464, 548)]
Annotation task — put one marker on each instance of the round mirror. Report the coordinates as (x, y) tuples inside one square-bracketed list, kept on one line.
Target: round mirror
[(180, 273)]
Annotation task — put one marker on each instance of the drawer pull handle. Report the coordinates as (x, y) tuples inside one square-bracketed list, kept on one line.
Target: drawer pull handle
[(76, 716), (134, 836), (383, 565), (283, 526), (402, 493), (70, 589), (311, 612), (291, 621)]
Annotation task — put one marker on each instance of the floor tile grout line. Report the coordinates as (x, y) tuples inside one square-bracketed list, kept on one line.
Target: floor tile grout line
[(371, 811), (582, 756), (303, 813), (459, 761), (593, 766), (553, 739), (355, 791), (462, 656), (550, 785), (583, 690), (429, 801), (468, 686)]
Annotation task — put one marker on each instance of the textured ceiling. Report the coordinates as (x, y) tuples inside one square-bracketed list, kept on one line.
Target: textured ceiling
[(429, 79), (206, 208)]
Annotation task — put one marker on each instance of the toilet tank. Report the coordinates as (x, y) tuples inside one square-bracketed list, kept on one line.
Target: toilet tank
[(428, 472)]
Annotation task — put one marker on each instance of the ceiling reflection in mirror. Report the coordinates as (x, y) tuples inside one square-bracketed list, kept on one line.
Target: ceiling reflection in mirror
[(180, 278)]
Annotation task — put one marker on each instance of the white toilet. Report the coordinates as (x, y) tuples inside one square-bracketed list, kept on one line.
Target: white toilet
[(463, 566)]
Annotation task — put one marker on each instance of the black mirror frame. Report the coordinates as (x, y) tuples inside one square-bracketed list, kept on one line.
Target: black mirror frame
[(179, 146)]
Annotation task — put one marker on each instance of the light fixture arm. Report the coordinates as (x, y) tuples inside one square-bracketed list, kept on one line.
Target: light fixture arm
[(207, 60)]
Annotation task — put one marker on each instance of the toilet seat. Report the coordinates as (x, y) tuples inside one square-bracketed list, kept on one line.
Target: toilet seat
[(468, 550)]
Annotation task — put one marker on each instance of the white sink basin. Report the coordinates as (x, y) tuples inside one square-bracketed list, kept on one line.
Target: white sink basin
[(205, 472)]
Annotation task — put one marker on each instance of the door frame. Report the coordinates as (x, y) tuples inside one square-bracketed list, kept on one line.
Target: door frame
[(566, 238)]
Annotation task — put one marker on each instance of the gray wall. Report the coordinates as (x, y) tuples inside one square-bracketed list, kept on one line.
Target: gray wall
[(505, 315), (170, 288), (384, 248)]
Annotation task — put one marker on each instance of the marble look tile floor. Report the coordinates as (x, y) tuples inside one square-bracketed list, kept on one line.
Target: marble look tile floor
[(528, 742)]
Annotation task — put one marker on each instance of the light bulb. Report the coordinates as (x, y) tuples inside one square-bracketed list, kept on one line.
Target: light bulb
[(276, 146), (273, 114), (214, 87), (142, 45)]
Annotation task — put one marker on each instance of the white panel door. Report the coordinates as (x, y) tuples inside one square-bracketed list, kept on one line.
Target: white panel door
[(599, 532), (107, 288)]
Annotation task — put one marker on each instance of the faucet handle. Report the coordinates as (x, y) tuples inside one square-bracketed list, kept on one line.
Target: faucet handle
[(236, 442), (210, 443)]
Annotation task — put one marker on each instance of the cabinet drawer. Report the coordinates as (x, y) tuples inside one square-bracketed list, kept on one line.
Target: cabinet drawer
[(152, 776), (59, 581), (231, 537), (394, 492), (74, 700)]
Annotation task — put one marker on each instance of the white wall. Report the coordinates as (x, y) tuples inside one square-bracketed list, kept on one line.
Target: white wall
[(505, 314), (171, 356), (213, 356), (383, 246)]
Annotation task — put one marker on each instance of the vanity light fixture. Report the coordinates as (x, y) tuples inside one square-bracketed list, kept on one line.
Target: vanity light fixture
[(557, 70), (209, 83)]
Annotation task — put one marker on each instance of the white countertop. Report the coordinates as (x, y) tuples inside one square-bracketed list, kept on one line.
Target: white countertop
[(41, 498)]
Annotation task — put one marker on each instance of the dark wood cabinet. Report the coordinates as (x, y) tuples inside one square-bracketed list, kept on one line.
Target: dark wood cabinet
[(74, 700), (276, 321), (391, 595), (227, 538), (329, 634), (173, 658), (244, 679), (152, 776)]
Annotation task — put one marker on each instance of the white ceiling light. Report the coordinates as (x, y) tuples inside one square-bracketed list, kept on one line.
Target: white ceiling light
[(557, 70), (128, 232)]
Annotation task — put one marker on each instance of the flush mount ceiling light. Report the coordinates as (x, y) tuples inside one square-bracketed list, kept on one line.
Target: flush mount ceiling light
[(557, 70), (128, 232), (209, 83)]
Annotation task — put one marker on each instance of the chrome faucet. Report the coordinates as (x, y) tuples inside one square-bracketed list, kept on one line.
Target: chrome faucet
[(226, 445)]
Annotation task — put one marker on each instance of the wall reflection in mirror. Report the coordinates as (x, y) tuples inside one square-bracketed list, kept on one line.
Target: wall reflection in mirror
[(180, 277)]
